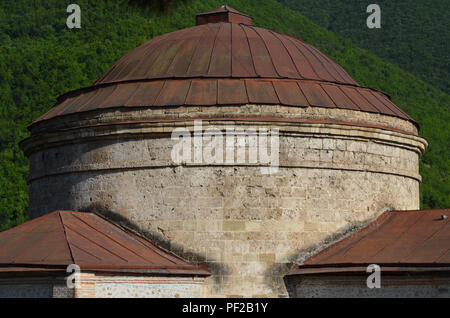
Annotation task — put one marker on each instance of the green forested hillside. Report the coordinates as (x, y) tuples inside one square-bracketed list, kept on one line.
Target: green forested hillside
[(414, 34), (40, 58)]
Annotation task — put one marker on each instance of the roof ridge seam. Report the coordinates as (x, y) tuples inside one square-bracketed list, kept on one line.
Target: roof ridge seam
[(308, 47), (328, 95), (351, 100), (206, 31), (275, 34), (199, 40), (109, 237), (291, 39), (27, 248), (267, 48), (332, 63), (370, 103), (213, 47), (95, 243), (144, 57), (249, 47), (180, 41), (66, 237), (187, 92)]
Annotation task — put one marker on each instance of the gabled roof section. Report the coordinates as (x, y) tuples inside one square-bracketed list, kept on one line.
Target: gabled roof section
[(396, 240), (60, 238)]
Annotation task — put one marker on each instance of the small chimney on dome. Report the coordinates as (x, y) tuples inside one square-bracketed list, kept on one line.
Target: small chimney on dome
[(223, 14)]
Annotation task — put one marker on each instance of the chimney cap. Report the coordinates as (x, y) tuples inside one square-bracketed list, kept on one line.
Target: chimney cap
[(223, 13)]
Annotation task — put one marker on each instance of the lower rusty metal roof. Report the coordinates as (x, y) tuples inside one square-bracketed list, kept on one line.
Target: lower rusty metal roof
[(409, 241), (60, 238)]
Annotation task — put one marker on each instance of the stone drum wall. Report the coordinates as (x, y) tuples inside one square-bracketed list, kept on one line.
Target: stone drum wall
[(247, 226)]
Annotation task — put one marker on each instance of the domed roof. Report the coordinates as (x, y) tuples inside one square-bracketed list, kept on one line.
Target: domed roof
[(225, 50), (225, 63)]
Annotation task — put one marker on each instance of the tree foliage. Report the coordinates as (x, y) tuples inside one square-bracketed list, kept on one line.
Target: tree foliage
[(414, 34)]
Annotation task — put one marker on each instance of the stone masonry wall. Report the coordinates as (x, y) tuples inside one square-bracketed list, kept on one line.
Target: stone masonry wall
[(337, 168), (102, 285), (26, 291), (348, 286), (246, 226), (34, 287)]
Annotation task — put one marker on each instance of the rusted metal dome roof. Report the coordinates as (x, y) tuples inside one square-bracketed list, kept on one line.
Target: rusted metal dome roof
[(225, 50), (225, 63)]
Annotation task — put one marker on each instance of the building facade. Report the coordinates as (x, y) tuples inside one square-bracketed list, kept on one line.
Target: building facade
[(402, 254), (345, 152)]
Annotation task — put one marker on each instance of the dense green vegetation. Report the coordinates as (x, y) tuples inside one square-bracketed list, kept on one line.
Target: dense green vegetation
[(414, 34), (40, 58)]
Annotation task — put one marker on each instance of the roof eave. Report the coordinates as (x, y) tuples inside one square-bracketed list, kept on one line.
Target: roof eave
[(361, 269)]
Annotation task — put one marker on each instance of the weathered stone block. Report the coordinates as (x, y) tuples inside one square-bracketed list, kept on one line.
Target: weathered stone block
[(233, 225)]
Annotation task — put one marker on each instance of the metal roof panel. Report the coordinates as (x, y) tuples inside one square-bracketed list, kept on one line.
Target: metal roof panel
[(261, 92), (231, 91), (289, 93), (61, 238), (404, 239)]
